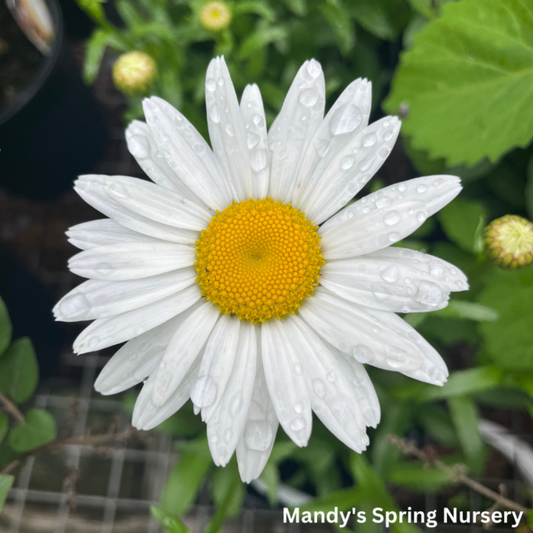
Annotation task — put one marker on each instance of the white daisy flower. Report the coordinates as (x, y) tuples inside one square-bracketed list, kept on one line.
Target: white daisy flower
[(237, 278)]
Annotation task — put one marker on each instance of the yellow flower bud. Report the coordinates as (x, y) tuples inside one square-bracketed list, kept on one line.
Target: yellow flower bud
[(134, 73), (508, 241), (215, 16)]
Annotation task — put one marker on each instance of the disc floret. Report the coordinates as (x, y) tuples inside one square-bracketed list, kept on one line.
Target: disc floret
[(258, 259)]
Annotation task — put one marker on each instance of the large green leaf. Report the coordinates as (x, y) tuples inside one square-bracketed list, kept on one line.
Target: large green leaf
[(4, 426), (39, 428), (467, 82), (5, 327), (6, 482), (509, 341), (19, 371), (169, 521)]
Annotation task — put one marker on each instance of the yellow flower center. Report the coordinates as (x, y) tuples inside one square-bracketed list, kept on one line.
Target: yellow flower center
[(509, 241), (215, 16), (258, 259)]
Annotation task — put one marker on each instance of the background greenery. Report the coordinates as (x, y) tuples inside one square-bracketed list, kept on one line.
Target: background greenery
[(460, 76)]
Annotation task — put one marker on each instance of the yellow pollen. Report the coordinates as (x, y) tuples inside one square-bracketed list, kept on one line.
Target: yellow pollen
[(258, 259)]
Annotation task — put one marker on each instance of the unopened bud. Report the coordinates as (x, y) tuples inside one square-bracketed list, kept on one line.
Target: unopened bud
[(215, 16), (134, 72), (508, 241)]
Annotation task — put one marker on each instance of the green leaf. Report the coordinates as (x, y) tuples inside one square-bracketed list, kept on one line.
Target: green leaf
[(416, 476), (465, 418), (257, 8), (341, 25), (184, 482), (270, 476), (467, 81), (96, 46), (228, 480), (39, 428), (169, 521), (469, 311), (4, 426), (460, 220), (6, 482), (19, 371), (5, 327), (298, 7), (509, 341), (436, 422), (529, 188), (261, 38), (383, 18)]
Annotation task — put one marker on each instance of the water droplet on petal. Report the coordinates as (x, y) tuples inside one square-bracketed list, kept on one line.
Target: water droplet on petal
[(251, 140), (345, 119), (258, 435), (298, 369), (370, 140), (313, 68), (298, 407), (257, 120), (210, 84), (104, 269), (394, 237), (430, 293), (236, 404), (308, 97), (214, 114), (402, 187), (228, 435), (331, 377), (362, 353), (384, 201), (138, 146), (421, 216), (319, 387), (74, 305), (397, 358), (392, 218), (204, 392), (258, 159), (421, 189), (347, 162), (229, 130), (297, 424), (390, 274)]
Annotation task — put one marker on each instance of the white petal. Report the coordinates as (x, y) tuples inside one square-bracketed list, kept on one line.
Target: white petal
[(101, 232), (100, 299), (288, 389), (92, 189), (151, 160), (386, 216), (117, 262), (433, 369), (384, 284), (156, 203), (353, 330), (440, 270), (226, 426), (217, 364), (106, 332), (138, 358), (294, 127), (187, 153), (147, 415), (226, 129), (182, 351), (346, 118), (253, 117), (333, 396), (255, 445), (349, 169)]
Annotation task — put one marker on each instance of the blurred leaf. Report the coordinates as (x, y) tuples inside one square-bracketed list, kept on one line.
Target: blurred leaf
[(469, 311), (256, 7), (260, 38), (416, 476), (298, 7), (6, 482), (509, 341), (475, 59), (228, 500), (19, 371), (4, 426), (270, 476), (465, 418), (383, 18), (339, 21), (184, 482), (436, 422), (343, 500), (93, 8), (227, 481), (96, 46), (129, 14), (39, 428), (169, 521), (424, 7), (5, 327), (460, 220)]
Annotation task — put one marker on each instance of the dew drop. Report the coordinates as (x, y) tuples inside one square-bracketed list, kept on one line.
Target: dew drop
[(199, 148), (229, 130), (362, 353), (298, 407), (236, 404), (397, 358), (204, 392), (257, 120), (430, 293), (251, 140), (297, 424), (228, 435), (392, 218), (421, 216), (375, 329), (104, 269), (313, 68), (298, 369), (390, 274), (319, 387), (258, 435), (384, 201), (347, 162), (370, 140), (308, 97), (394, 237), (350, 213), (402, 187), (258, 159), (331, 377), (365, 164), (421, 189), (214, 114), (345, 119), (74, 305), (210, 84)]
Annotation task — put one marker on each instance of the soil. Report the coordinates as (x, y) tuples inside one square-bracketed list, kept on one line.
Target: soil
[(19, 59)]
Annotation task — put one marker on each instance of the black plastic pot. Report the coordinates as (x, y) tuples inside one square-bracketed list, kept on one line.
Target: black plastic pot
[(54, 131)]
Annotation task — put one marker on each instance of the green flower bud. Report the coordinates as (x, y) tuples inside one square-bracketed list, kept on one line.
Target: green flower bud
[(134, 73), (215, 16), (508, 242)]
